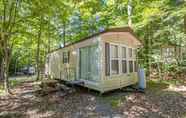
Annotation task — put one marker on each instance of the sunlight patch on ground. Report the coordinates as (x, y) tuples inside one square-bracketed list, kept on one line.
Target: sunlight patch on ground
[(36, 83), (2, 92), (178, 88), (35, 113)]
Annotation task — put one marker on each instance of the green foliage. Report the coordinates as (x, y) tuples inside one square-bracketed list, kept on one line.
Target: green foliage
[(156, 23), (114, 101)]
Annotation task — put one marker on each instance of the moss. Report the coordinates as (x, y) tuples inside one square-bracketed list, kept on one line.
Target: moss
[(156, 85), (115, 101)]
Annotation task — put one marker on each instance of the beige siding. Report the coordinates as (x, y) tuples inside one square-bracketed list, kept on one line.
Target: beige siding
[(106, 83), (121, 80), (121, 38), (59, 70), (55, 64)]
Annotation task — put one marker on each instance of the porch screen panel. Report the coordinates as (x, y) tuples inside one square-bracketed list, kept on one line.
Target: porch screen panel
[(94, 62), (83, 63), (89, 63)]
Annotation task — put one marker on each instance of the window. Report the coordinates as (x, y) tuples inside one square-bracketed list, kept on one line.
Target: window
[(135, 66), (115, 67), (89, 62), (124, 66), (114, 60), (114, 51), (119, 59), (130, 52), (130, 66), (124, 61), (123, 52), (66, 57)]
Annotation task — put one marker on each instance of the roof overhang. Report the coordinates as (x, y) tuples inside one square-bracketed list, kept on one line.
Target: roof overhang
[(116, 29)]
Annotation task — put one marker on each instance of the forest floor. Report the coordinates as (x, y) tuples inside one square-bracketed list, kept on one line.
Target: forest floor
[(160, 100)]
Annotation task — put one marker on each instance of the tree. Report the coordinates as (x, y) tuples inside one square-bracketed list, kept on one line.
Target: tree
[(10, 14)]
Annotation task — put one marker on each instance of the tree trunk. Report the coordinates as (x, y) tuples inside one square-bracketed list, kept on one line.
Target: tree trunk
[(5, 68), (6, 52), (1, 70), (185, 23), (146, 51), (38, 50), (49, 36), (129, 10), (5, 73), (64, 33)]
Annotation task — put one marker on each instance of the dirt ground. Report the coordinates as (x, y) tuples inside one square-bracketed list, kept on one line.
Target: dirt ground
[(159, 101)]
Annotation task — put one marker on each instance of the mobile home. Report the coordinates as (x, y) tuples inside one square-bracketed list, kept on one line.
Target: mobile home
[(103, 61)]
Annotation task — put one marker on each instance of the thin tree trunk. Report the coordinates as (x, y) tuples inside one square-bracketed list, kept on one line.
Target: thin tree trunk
[(5, 74), (159, 72), (185, 23), (150, 48), (64, 33), (146, 47), (129, 10), (49, 36), (5, 63), (1, 70), (38, 50)]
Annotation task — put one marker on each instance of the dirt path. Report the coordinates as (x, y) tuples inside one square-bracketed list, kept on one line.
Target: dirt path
[(159, 101)]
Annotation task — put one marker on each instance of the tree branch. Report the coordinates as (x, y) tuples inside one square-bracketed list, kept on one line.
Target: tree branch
[(10, 15), (4, 16), (15, 15)]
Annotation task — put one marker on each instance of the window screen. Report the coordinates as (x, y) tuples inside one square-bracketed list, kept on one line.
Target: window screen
[(124, 66), (89, 63), (130, 66), (123, 52), (124, 61), (114, 51), (115, 66), (114, 59), (130, 52)]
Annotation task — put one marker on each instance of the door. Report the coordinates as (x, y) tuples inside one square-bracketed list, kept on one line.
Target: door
[(89, 63)]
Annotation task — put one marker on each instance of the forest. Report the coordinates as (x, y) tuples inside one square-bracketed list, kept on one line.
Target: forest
[(30, 29)]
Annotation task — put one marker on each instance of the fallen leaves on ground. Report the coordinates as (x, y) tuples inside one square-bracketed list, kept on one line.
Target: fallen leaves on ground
[(158, 102)]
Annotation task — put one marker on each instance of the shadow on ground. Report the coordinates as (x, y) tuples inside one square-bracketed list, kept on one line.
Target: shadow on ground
[(157, 102)]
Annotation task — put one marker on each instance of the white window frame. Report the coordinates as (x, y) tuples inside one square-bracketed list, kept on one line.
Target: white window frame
[(125, 59), (133, 59), (120, 58), (111, 58)]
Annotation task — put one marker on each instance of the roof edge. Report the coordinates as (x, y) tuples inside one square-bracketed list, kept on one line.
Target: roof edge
[(115, 29)]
